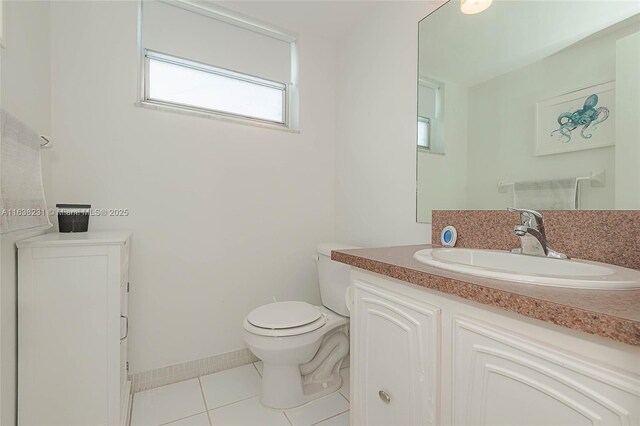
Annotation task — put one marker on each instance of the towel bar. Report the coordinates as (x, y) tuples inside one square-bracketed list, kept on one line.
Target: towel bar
[(47, 142), (596, 179)]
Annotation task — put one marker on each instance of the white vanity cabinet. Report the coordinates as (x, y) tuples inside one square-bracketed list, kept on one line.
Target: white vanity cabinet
[(72, 329), (501, 378), (395, 347), (480, 365)]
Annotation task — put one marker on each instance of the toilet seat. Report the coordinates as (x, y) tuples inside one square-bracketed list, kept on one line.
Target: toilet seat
[(284, 319), (283, 315)]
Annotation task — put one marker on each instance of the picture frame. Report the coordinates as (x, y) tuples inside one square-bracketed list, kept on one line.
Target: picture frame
[(575, 121)]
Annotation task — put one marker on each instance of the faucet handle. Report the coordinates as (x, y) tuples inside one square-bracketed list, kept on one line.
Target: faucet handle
[(530, 218)]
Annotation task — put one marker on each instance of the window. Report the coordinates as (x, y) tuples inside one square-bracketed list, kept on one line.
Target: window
[(183, 83), (424, 132), (430, 114), (197, 56)]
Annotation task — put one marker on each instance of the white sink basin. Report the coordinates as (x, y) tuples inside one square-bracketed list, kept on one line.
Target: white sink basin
[(545, 271)]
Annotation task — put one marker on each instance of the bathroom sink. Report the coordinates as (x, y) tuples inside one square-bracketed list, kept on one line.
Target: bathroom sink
[(544, 271)]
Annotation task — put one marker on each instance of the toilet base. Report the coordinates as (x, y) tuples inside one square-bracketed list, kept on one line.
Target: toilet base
[(300, 368), (282, 387)]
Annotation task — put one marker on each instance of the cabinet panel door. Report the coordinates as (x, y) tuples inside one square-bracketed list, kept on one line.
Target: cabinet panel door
[(503, 379), (64, 338), (395, 359)]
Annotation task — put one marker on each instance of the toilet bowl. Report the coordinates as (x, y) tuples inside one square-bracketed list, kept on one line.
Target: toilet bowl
[(303, 346)]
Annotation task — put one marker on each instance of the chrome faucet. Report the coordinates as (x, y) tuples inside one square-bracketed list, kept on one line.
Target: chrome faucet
[(533, 240)]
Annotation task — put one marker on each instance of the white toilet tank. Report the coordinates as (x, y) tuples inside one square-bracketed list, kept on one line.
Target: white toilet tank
[(334, 278)]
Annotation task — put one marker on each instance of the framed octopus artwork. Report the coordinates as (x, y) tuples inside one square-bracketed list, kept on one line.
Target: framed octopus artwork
[(584, 119)]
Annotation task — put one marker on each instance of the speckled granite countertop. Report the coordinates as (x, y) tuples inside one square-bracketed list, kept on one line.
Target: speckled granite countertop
[(614, 314)]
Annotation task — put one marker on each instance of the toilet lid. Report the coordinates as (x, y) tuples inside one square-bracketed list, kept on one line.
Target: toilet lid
[(281, 315)]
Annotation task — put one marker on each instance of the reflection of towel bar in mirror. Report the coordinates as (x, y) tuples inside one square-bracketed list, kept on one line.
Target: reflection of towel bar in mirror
[(596, 179), (46, 144)]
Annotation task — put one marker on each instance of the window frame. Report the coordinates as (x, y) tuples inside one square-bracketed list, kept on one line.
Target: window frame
[(215, 70), (438, 88)]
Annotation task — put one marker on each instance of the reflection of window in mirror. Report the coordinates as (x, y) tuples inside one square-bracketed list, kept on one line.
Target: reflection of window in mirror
[(430, 101), (424, 132)]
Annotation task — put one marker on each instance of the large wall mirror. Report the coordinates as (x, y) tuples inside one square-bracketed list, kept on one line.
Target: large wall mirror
[(530, 104)]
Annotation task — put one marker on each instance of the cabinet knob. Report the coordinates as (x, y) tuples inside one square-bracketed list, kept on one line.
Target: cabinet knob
[(384, 397)]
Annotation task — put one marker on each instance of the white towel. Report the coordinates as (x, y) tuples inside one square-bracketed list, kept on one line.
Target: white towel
[(22, 203), (557, 194)]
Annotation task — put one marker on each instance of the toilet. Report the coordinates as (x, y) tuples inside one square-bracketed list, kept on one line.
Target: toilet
[(303, 346)]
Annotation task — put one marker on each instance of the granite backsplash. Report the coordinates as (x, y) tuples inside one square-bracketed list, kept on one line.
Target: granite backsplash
[(609, 236)]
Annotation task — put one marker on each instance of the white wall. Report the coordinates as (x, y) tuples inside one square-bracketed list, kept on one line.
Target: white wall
[(225, 217), (24, 93), (376, 128), (502, 125)]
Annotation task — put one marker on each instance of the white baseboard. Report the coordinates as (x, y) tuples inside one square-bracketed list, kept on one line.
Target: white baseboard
[(190, 370)]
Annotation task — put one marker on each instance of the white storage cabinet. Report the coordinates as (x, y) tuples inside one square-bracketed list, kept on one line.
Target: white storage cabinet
[(72, 329)]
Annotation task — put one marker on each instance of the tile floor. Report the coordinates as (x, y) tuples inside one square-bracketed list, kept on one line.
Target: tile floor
[(230, 398)]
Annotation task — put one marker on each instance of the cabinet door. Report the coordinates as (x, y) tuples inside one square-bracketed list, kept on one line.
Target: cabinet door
[(501, 378), (68, 332), (395, 348)]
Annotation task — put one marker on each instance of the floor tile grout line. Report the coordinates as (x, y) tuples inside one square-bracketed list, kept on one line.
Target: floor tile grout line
[(235, 402), (313, 401), (256, 367), (172, 420), (287, 417), (246, 399), (206, 406), (225, 405), (181, 418), (204, 398), (329, 418), (323, 397)]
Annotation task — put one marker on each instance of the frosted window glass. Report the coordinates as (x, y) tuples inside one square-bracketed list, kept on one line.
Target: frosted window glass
[(424, 125), (182, 85)]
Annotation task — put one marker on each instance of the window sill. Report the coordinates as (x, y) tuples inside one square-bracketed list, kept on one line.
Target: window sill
[(213, 116)]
